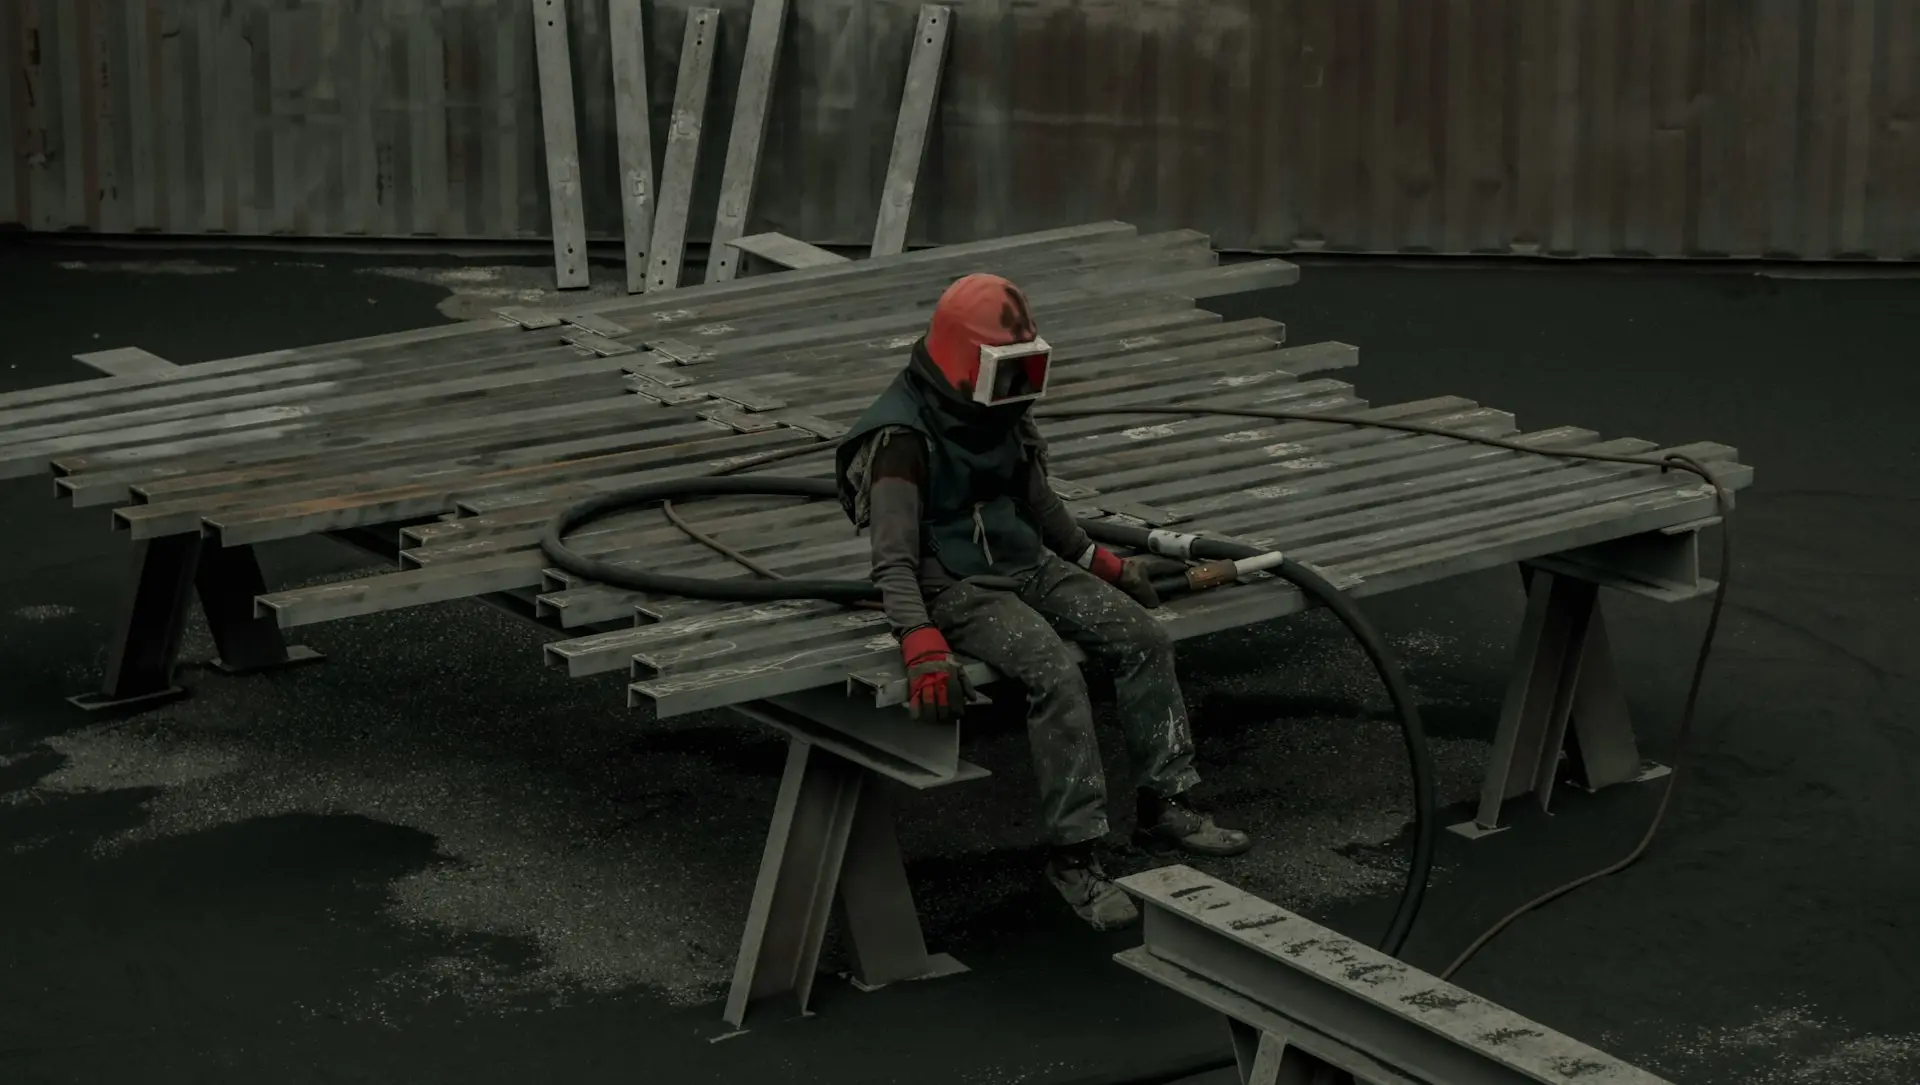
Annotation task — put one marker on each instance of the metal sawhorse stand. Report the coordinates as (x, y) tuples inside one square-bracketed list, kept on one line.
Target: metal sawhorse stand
[(1563, 693), (168, 571), (832, 842)]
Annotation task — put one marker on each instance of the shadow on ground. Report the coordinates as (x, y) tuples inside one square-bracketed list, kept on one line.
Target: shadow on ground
[(432, 860)]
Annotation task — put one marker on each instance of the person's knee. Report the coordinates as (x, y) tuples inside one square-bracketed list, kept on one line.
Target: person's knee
[(1050, 672), (1144, 638), (1155, 638)]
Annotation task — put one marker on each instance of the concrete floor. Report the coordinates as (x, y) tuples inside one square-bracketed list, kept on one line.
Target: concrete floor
[(431, 860)]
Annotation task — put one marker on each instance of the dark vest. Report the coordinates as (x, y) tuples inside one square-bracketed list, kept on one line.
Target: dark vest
[(972, 522)]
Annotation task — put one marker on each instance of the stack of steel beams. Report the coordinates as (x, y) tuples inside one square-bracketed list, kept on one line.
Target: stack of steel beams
[(469, 437)]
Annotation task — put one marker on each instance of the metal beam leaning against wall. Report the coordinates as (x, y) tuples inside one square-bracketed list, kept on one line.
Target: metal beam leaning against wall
[(15, 160), (759, 69), (1301, 1000), (562, 144), (627, 30), (668, 248), (166, 573), (917, 104)]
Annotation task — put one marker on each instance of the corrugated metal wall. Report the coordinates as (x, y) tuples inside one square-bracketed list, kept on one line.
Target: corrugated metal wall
[(1664, 127)]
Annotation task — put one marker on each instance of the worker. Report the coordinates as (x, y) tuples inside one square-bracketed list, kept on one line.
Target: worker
[(974, 553)]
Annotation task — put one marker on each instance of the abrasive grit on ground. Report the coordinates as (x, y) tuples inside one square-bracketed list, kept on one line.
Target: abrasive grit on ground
[(1326, 791), (43, 612), (624, 849), (1795, 1045)]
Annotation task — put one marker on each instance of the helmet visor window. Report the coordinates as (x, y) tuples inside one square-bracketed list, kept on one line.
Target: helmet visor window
[(1013, 374)]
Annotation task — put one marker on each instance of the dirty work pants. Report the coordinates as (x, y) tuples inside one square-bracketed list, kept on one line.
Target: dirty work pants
[(1023, 635)]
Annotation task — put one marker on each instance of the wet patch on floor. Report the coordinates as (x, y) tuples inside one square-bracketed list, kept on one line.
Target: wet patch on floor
[(475, 292)]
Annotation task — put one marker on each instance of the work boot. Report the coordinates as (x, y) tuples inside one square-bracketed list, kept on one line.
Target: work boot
[(1078, 877), (1171, 823)]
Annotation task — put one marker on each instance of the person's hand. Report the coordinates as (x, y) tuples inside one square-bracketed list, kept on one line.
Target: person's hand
[(936, 683), (1131, 575), (1136, 579)]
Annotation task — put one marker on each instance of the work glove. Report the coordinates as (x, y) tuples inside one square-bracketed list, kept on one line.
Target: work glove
[(1131, 575), (937, 687)]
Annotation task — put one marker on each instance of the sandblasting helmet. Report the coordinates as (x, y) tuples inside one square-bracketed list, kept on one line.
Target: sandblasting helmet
[(984, 341)]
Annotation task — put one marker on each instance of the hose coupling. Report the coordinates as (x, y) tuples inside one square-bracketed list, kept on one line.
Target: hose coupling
[(1214, 574)]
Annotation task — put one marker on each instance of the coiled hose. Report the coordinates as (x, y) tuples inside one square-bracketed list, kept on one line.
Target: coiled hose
[(728, 482)]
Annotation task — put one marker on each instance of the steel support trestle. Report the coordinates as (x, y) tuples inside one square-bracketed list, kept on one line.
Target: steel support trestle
[(1563, 692), (1308, 1006), (830, 848), (167, 572)]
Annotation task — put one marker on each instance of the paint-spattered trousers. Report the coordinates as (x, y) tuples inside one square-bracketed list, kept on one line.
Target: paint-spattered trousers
[(1023, 634)]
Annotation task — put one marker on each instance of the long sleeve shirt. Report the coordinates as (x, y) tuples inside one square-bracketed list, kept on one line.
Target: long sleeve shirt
[(906, 577)]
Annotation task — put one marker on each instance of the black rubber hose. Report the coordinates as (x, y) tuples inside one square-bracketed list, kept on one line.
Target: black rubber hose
[(744, 590), (1419, 755)]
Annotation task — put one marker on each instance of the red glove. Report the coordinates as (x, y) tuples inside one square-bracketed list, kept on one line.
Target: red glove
[(936, 683), (1127, 574)]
